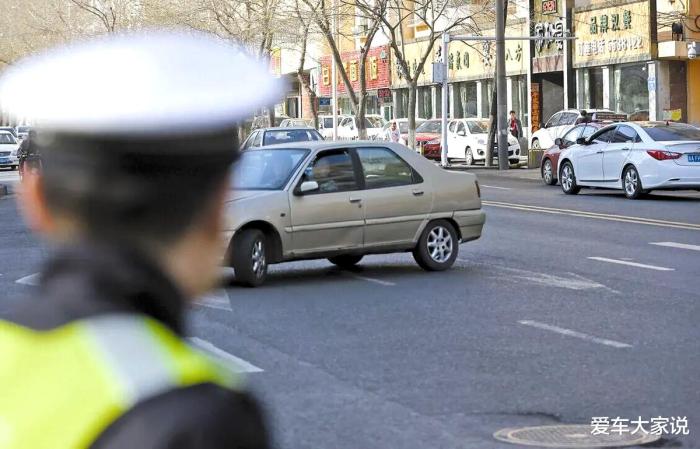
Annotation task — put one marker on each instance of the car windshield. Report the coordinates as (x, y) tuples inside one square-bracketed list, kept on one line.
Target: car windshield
[(289, 136), (6, 138), (374, 122), (478, 127), (328, 122), (23, 129), (662, 133), (431, 126), (266, 169)]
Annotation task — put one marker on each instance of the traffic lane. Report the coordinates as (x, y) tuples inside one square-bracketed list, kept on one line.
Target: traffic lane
[(681, 206), (463, 352)]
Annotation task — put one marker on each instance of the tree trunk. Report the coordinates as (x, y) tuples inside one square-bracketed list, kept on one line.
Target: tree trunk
[(412, 90), (493, 124)]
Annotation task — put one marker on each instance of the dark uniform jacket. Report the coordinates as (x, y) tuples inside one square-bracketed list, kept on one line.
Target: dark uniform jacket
[(81, 282)]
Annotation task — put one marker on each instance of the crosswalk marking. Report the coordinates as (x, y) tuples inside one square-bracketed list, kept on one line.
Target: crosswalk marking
[(575, 334), (237, 364), (631, 264)]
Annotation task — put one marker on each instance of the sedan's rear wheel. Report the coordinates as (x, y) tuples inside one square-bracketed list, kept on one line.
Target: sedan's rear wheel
[(437, 247), (346, 260), (249, 258), (567, 179), (469, 156), (548, 173)]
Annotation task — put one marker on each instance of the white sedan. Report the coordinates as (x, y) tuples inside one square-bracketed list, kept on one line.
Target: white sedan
[(8, 150), (466, 139), (634, 156)]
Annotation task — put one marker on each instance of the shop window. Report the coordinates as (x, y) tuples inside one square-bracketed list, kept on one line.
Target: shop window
[(631, 90), (595, 88)]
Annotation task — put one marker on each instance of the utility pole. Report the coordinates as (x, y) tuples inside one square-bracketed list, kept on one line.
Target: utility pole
[(334, 72), (503, 163), (445, 92)]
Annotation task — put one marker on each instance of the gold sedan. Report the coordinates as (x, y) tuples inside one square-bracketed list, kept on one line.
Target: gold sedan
[(343, 200)]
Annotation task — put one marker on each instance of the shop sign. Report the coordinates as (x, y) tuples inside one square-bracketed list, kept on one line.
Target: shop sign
[(548, 24), (612, 35), (324, 101), (535, 96), (651, 84), (377, 70), (384, 93)]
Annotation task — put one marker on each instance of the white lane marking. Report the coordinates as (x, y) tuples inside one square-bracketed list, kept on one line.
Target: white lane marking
[(32, 279), (598, 216), (677, 245), (575, 334), (237, 364), (495, 187), (376, 281), (217, 299), (574, 282), (631, 264)]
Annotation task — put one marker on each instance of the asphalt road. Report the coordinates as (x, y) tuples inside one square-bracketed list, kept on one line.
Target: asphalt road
[(555, 315)]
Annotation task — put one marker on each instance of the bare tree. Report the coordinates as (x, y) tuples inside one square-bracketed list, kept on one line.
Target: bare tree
[(438, 17), (322, 17), (305, 31)]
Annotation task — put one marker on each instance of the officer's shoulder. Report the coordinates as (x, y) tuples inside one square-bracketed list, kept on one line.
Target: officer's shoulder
[(199, 416)]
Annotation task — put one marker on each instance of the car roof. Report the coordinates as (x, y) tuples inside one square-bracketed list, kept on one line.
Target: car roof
[(285, 128), (325, 144)]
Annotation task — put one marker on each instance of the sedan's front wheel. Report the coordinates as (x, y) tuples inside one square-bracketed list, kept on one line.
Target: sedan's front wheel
[(567, 179), (437, 247), (469, 156), (249, 258), (631, 183)]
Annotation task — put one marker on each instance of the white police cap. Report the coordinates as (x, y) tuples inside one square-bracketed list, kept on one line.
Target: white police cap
[(139, 84)]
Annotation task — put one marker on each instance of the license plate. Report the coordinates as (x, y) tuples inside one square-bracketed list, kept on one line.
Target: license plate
[(4, 160), (694, 157)]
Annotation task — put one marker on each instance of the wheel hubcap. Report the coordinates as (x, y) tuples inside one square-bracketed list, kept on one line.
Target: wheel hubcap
[(631, 182), (536, 145), (469, 157), (440, 244), (548, 171), (258, 258), (566, 180)]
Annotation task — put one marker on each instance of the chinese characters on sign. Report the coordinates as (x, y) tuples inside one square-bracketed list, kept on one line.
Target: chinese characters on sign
[(604, 23), (549, 30), (674, 425), (604, 46)]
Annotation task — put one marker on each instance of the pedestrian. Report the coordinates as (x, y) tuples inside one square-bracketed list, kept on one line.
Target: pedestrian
[(27, 154), (137, 143), (514, 125), (393, 133)]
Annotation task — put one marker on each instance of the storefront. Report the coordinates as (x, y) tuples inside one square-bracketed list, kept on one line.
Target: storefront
[(378, 77), (614, 59), (549, 62), (471, 78)]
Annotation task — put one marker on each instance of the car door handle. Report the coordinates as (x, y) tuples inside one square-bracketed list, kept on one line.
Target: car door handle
[(625, 149), (355, 200), (598, 152), (418, 192)]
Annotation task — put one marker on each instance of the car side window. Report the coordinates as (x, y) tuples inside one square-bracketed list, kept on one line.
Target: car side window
[(460, 128), (570, 137), (626, 134), (452, 127), (588, 131), (248, 141), (604, 136), (257, 140), (333, 171), (384, 168), (570, 118), (554, 120)]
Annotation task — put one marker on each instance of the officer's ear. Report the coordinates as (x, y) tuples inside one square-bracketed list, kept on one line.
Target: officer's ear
[(33, 205)]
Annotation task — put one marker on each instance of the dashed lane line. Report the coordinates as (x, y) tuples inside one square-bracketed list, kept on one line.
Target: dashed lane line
[(631, 264), (495, 187), (594, 215), (236, 364), (677, 245), (376, 281), (575, 334), (32, 279)]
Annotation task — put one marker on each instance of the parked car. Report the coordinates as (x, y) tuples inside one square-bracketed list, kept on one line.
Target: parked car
[(428, 136), (466, 139), (549, 167), (402, 124), (561, 122), (636, 157), (342, 201), (325, 125), (22, 131), (274, 136), (347, 130), (263, 121), (11, 129), (296, 123), (8, 150)]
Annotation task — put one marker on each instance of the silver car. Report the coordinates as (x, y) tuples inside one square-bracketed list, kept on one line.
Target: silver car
[(343, 200)]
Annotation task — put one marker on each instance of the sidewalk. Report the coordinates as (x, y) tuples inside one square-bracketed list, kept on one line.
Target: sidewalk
[(521, 172)]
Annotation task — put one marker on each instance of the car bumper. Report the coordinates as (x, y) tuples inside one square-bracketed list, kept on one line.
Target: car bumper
[(669, 175), (8, 161), (513, 153), (470, 222)]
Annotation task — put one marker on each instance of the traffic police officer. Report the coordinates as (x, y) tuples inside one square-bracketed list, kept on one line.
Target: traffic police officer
[(137, 134)]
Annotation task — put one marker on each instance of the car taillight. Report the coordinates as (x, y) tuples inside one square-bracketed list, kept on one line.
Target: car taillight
[(661, 155), (478, 189)]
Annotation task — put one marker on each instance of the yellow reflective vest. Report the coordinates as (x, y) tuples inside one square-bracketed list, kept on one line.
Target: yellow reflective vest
[(63, 387)]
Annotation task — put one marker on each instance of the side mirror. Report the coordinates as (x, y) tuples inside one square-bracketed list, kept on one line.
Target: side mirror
[(558, 142), (308, 186), (461, 133), (581, 141)]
